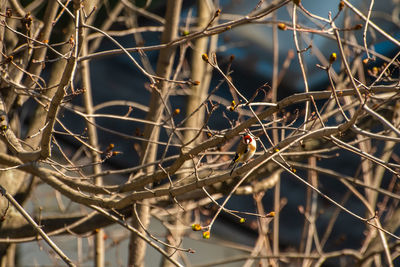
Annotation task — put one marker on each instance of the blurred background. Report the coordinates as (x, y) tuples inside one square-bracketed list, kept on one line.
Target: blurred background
[(248, 52)]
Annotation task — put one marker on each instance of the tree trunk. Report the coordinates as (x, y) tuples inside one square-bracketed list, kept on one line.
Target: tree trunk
[(137, 247), (195, 99)]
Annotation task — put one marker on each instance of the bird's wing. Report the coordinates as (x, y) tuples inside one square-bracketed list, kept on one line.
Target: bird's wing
[(236, 158)]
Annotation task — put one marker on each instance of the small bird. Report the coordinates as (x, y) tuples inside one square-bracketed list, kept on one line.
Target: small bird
[(245, 150)]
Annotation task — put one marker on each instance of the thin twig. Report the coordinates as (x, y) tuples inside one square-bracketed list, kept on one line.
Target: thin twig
[(36, 227)]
